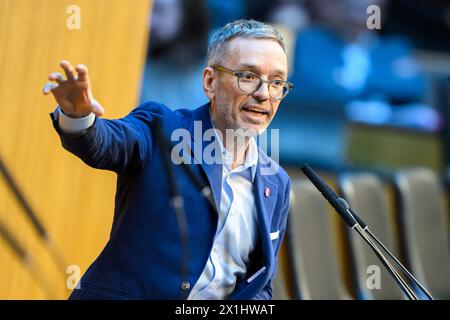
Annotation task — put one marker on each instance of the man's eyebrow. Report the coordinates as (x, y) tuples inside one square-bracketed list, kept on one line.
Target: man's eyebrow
[(256, 69)]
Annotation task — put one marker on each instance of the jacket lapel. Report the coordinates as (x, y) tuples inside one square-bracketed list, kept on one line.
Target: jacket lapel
[(265, 204), (265, 199), (201, 122)]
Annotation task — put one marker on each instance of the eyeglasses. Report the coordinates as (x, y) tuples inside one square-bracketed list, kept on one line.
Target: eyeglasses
[(250, 82)]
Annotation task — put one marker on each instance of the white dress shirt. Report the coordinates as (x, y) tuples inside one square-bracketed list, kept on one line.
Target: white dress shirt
[(237, 231)]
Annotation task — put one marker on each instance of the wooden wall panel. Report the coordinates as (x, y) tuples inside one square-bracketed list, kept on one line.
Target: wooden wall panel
[(75, 202)]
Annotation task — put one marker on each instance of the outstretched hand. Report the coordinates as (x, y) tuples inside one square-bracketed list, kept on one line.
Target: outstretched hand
[(73, 94)]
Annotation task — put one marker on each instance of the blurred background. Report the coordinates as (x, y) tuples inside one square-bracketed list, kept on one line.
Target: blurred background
[(365, 101)]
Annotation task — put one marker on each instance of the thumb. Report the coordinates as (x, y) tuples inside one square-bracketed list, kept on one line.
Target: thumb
[(97, 108)]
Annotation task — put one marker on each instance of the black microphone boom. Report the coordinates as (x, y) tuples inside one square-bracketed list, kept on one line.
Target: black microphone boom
[(329, 194)]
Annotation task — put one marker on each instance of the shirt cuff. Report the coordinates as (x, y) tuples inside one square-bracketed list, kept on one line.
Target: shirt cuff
[(74, 125)]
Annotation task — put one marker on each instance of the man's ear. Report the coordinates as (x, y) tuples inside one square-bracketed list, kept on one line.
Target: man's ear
[(209, 82)]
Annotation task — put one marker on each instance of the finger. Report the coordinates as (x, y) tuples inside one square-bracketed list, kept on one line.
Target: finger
[(68, 69), (56, 76), (82, 71), (48, 87), (97, 108)]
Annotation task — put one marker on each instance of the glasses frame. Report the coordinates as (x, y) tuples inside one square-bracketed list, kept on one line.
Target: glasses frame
[(238, 74)]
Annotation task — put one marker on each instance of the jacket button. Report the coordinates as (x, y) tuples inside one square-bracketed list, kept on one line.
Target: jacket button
[(185, 286)]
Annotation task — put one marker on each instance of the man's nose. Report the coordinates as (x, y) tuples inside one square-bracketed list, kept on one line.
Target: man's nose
[(262, 93)]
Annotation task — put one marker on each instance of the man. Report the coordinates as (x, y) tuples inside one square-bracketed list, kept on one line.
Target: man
[(232, 254)]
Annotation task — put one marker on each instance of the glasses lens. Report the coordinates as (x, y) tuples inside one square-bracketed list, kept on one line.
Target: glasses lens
[(278, 89), (248, 82)]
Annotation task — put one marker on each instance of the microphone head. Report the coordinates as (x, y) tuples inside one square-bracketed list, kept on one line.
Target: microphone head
[(344, 203)]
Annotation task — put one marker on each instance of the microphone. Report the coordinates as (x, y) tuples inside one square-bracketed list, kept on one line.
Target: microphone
[(356, 223), (339, 204)]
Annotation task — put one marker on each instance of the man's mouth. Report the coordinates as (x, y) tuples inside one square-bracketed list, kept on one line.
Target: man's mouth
[(256, 111)]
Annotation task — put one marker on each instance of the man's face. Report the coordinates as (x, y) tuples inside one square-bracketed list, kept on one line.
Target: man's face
[(230, 107)]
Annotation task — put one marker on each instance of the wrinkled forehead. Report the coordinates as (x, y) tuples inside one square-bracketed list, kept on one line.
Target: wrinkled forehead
[(262, 55)]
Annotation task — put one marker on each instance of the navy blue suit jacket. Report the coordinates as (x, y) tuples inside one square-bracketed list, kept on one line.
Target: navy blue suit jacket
[(142, 257)]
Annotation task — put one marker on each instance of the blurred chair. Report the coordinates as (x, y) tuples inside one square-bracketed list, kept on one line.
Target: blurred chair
[(280, 286), (424, 228), (366, 195), (314, 246)]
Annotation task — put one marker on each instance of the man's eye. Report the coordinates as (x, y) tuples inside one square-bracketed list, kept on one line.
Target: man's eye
[(277, 83), (248, 77)]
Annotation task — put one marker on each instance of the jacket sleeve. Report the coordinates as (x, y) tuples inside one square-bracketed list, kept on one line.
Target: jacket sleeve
[(117, 145), (266, 292)]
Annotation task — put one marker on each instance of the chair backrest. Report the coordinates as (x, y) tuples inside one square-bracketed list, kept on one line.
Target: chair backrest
[(366, 195), (423, 218), (280, 285), (314, 245), (279, 289)]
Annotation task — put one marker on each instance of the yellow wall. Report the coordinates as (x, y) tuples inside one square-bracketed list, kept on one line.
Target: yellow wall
[(74, 201)]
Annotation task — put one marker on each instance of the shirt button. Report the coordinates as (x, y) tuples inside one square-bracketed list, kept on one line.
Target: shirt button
[(214, 286), (185, 286)]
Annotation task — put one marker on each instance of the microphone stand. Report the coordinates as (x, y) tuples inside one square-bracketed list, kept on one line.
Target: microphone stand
[(341, 206), (366, 229), (398, 279)]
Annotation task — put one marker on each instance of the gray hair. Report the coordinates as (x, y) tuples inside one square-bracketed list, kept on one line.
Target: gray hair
[(244, 28)]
